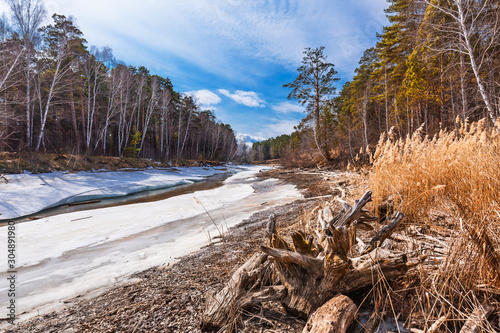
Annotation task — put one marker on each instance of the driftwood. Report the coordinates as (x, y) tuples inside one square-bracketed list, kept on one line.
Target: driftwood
[(243, 291), (334, 316), (386, 231), (437, 324), (475, 323), (351, 214), (311, 270)]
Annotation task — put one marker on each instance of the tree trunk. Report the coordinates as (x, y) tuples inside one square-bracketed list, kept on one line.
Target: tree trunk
[(73, 115), (241, 292), (29, 118), (462, 88), (47, 105), (472, 58), (386, 101)]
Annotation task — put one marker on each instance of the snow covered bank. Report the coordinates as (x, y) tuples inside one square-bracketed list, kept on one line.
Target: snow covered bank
[(28, 193), (66, 255)]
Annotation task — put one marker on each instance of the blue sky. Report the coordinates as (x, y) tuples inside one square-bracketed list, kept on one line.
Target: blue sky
[(233, 55)]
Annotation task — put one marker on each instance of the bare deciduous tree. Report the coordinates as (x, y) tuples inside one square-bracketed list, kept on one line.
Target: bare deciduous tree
[(474, 31), (27, 16), (62, 42)]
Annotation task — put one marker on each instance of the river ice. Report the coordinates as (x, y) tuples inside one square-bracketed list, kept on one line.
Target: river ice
[(66, 255), (28, 193)]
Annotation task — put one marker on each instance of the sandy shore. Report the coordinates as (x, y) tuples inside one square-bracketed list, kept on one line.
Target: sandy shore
[(170, 299)]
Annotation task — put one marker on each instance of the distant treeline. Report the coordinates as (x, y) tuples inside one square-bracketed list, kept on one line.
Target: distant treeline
[(58, 94), (435, 63), (273, 148)]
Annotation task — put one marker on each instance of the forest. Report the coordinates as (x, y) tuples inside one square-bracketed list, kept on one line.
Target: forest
[(434, 66), (60, 95)]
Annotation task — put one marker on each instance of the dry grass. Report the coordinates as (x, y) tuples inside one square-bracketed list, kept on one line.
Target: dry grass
[(461, 168), (455, 176)]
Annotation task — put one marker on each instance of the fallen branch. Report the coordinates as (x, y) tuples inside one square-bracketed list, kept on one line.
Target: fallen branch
[(385, 232), (286, 257)]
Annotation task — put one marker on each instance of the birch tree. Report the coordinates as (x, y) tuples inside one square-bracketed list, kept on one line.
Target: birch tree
[(111, 109), (165, 100), (125, 115), (95, 73), (62, 42), (188, 106), (152, 106), (27, 16), (474, 32)]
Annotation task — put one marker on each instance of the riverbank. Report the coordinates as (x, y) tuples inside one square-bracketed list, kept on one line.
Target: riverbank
[(170, 299), (12, 163)]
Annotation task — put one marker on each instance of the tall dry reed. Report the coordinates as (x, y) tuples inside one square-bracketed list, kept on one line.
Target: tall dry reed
[(459, 168), (457, 174)]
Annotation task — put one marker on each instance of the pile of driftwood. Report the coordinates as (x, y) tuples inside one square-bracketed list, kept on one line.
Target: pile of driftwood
[(319, 267)]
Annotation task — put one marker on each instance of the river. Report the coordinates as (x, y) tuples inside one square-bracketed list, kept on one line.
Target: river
[(64, 255)]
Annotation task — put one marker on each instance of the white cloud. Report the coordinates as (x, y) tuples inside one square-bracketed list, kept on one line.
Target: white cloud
[(288, 107), (222, 36), (247, 98), (204, 98), (277, 127)]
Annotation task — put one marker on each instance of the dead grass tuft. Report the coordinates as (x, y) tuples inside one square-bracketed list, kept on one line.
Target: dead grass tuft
[(454, 169), (449, 187)]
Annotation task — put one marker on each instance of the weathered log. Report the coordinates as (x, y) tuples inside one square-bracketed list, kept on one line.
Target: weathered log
[(335, 316), (305, 261), (311, 281), (437, 324), (327, 215), (370, 268), (311, 277), (271, 226), (475, 322), (353, 213), (340, 241), (385, 232), (241, 292)]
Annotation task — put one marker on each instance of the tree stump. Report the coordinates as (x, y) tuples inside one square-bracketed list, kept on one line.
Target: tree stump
[(313, 269)]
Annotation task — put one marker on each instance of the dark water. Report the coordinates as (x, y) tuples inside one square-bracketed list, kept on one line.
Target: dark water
[(139, 197)]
